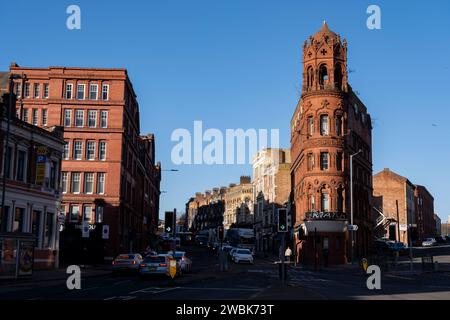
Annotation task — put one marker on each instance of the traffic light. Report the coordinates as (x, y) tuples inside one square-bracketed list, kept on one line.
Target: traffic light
[(169, 222), (282, 220), (220, 233)]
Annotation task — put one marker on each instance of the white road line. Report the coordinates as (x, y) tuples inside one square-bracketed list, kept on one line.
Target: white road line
[(37, 298), (153, 290), (110, 298), (120, 282), (221, 289), (91, 288)]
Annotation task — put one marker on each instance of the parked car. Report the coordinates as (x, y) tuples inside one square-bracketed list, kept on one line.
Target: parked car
[(243, 255), (126, 262), (184, 262), (201, 241), (231, 253), (429, 242), (397, 246), (156, 265)]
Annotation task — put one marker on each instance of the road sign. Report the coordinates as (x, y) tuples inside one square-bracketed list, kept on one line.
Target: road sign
[(105, 232), (169, 222), (403, 227), (61, 217), (85, 230), (172, 268), (352, 227)]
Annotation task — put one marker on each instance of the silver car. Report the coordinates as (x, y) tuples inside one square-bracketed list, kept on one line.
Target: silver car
[(156, 265), (126, 262)]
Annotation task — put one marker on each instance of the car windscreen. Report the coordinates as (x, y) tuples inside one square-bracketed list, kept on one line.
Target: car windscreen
[(155, 260), (178, 256), (243, 252)]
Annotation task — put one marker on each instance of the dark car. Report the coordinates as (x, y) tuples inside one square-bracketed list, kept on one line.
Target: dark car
[(440, 239)]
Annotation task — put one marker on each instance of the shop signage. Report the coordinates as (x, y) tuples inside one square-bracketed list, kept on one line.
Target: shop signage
[(325, 215)]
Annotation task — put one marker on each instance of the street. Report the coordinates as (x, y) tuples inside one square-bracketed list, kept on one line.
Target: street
[(242, 282)]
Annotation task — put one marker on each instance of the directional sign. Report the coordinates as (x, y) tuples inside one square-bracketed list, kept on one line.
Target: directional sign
[(105, 233), (172, 268), (352, 227)]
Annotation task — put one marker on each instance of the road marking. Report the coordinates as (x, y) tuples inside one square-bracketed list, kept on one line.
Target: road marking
[(91, 288), (153, 290), (120, 282), (37, 298), (125, 298), (221, 289)]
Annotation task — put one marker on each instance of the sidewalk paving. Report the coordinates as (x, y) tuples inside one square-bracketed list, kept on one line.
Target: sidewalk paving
[(40, 276)]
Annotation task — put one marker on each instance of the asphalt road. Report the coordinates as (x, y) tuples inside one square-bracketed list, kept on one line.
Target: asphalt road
[(259, 281)]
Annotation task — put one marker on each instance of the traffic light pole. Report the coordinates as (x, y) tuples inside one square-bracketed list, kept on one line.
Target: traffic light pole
[(283, 245)]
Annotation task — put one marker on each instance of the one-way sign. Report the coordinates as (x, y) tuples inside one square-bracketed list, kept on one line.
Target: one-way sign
[(352, 227)]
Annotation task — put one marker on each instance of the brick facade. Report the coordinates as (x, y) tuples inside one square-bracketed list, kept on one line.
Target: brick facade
[(109, 169), (330, 123)]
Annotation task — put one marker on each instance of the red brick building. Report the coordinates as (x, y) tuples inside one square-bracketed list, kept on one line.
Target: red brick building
[(330, 123), (109, 175), (424, 214)]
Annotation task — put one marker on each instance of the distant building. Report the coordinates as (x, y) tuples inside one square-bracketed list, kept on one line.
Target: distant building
[(207, 210), (271, 190), (239, 201), (437, 224), (424, 214), (29, 226), (393, 195)]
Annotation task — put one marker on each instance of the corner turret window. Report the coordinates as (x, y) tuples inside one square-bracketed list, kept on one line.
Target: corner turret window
[(310, 126), (324, 125), (338, 76), (323, 75), (309, 77)]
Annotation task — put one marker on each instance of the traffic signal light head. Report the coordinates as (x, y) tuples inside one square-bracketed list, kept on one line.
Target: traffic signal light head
[(220, 232), (282, 220)]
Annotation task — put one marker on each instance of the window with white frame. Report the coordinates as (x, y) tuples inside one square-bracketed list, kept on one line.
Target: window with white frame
[(45, 96), (74, 215), (79, 118), (92, 118), (88, 183), (324, 160), (324, 125), (102, 150), (93, 91), (67, 117), (34, 117), (101, 183), (27, 90), (80, 91), (76, 178), (36, 90), (64, 176), (105, 92), (77, 150), (44, 117), (87, 213), (66, 150), (21, 165), (18, 89), (90, 150), (25, 115), (325, 202), (99, 214), (69, 91), (103, 119)]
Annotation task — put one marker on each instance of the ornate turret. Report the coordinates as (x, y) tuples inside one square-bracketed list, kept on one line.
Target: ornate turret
[(324, 61)]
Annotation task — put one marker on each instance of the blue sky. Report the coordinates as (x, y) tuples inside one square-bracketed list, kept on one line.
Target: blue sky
[(237, 64)]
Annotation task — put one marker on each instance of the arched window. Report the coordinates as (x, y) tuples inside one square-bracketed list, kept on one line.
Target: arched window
[(310, 126), (325, 201), (309, 77), (340, 200), (312, 203), (338, 76), (338, 122), (324, 125), (323, 75)]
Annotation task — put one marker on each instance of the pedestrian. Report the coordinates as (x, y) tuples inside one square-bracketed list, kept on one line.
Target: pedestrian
[(287, 254)]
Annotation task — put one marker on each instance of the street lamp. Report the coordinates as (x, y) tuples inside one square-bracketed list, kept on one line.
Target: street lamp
[(351, 201), (8, 113)]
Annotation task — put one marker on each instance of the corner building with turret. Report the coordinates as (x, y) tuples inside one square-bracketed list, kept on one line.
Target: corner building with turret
[(330, 123)]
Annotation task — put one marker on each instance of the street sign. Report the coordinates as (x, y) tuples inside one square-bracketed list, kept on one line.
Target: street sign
[(403, 227), (352, 227), (105, 232), (61, 217), (85, 230), (172, 268)]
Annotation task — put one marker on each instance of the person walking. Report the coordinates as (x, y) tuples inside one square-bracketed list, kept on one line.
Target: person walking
[(288, 254)]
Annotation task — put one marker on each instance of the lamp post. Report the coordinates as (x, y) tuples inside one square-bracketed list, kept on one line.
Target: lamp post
[(351, 202), (8, 117)]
